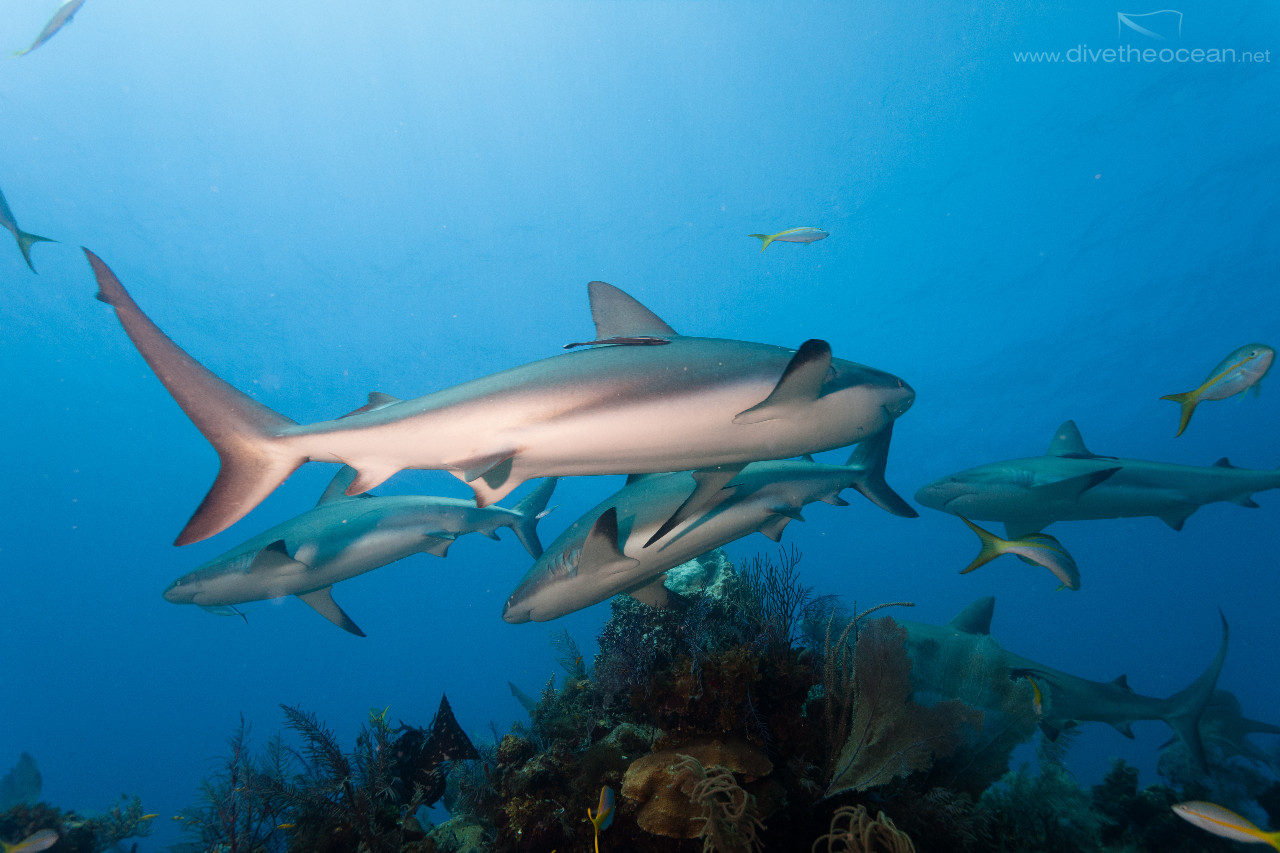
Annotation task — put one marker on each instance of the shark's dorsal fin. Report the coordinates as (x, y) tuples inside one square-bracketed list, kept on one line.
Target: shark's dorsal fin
[(799, 385), (653, 593), (617, 314), (774, 525), (1224, 462), (1068, 442), (1122, 681), (321, 600), (709, 483), (600, 550), (337, 488), (976, 618)]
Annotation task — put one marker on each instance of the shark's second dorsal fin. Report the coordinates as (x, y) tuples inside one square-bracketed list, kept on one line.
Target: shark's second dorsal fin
[(800, 384), (1068, 442), (1224, 462), (618, 315), (976, 618), (337, 488), (1122, 681)]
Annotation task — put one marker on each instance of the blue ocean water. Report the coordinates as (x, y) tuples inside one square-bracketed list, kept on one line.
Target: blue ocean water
[(322, 199)]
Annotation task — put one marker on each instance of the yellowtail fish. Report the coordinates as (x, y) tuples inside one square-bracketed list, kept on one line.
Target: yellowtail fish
[(1212, 817), (1236, 373), (151, 816), (60, 19), (24, 239), (604, 813), (1038, 549), (42, 840), (791, 235), (285, 825), (1037, 697)]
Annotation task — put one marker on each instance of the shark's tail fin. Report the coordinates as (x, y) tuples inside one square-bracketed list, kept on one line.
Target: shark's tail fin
[(25, 242), (1188, 401), (767, 238), (243, 431), (1184, 708), (531, 509), (871, 457)]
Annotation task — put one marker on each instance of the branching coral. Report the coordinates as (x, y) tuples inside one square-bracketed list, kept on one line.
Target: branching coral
[(853, 831), (729, 818)]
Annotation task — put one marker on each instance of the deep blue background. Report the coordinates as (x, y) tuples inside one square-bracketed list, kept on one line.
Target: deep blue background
[(319, 199)]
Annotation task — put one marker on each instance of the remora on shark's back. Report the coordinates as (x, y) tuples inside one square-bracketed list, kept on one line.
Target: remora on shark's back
[(1069, 483), (613, 408), (621, 545), (342, 537)]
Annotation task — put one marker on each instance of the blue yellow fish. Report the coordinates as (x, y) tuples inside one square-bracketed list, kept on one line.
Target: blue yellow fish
[(603, 817), (1212, 817), (1238, 372), (807, 234), (1038, 549), (42, 840)]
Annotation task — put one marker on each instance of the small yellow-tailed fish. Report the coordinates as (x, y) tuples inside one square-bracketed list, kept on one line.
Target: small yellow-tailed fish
[(1236, 373), (151, 816), (807, 234), (1037, 698), (1038, 549), (42, 840), (1212, 817), (604, 814), (60, 19)]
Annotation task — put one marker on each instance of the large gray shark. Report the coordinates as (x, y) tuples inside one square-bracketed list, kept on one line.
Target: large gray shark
[(342, 537), (1066, 699), (607, 551), (1069, 483), (639, 399)]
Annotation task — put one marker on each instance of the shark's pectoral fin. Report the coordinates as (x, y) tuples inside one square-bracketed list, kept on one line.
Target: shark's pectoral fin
[(708, 485), (1072, 487), (337, 488), (600, 551), (369, 476), (436, 543), (774, 525), (1178, 516), (834, 499), (653, 593), (377, 400), (1125, 729), (275, 558), (800, 385), (321, 600)]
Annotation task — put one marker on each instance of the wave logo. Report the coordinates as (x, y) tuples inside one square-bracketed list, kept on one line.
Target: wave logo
[(1161, 26)]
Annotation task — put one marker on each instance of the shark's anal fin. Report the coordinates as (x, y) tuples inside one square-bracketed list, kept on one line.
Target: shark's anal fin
[(709, 483), (321, 600), (1177, 516), (653, 593), (600, 550), (799, 386), (436, 544), (489, 476), (774, 525)]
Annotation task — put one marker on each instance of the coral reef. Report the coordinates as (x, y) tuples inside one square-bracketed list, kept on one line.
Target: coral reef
[(853, 831), (76, 833), (21, 785)]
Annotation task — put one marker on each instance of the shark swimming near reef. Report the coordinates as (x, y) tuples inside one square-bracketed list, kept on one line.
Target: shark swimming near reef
[(342, 537), (623, 546), (1067, 699), (613, 407), (1070, 483)]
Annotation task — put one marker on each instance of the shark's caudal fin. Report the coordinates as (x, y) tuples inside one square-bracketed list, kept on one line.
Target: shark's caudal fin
[(25, 242), (871, 457), (242, 430), (1188, 401), (1183, 709), (531, 509)]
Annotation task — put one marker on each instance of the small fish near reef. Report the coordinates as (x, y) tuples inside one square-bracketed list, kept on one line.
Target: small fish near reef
[(1212, 817), (60, 19), (807, 234), (603, 817), (1038, 549), (24, 239), (42, 840), (1241, 370)]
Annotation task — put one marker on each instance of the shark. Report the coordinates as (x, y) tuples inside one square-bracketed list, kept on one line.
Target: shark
[(1066, 699), (342, 537), (613, 406), (621, 545), (1070, 483)]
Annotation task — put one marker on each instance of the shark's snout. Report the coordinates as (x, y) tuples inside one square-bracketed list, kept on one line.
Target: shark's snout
[(899, 399), (178, 593)]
